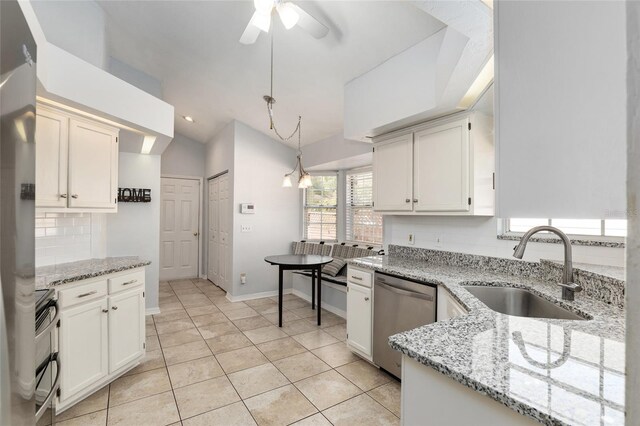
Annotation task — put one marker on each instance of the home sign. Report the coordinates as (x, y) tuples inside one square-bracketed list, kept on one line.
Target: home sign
[(134, 195)]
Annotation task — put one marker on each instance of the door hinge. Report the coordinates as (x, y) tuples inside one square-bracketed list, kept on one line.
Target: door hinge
[(115, 200), (116, 139), (469, 126), (494, 180), (374, 149), (144, 345), (58, 392), (143, 294), (469, 200), (58, 324), (347, 289), (373, 204)]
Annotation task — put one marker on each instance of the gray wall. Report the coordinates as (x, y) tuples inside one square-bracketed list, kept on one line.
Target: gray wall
[(135, 229), (184, 157), (135, 77)]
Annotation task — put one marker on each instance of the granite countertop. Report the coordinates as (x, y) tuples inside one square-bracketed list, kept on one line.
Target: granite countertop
[(51, 276), (558, 372)]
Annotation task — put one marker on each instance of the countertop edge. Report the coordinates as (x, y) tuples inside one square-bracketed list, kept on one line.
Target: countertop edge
[(95, 274)]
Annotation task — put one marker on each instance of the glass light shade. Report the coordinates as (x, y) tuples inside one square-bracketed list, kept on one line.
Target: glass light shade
[(286, 182), (263, 6), (301, 183), (307, 180), (261, 21), (288, 15)]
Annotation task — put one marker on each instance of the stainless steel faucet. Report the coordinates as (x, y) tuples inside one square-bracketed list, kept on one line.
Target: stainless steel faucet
[(569, 288)]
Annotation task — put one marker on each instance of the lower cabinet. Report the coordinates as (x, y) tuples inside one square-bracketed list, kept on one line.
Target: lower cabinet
[(84, 346), (101, 333), (360, 313)]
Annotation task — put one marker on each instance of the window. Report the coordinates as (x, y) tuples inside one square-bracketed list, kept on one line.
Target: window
[(362, 223), (320, 202), (587, 227)]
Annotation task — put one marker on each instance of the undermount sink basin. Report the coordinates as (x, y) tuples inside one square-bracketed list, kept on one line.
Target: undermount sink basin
[(520, 303)]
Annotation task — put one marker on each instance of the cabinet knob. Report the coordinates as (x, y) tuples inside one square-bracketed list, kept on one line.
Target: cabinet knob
[(74, 196), (105, 311), (408, 200), (63, 195), (115, 308), (195, 234), (415, 200), (366, 299)]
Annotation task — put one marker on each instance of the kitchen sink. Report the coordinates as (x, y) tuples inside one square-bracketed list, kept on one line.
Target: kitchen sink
[(520, 303)]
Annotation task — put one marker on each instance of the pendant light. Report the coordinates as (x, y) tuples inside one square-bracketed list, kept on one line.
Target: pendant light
[(304, 178)]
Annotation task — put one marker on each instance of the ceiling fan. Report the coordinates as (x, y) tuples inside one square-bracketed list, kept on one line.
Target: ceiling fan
[(290, 15)]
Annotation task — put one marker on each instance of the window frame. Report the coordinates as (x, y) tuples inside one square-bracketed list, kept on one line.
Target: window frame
[(336, 208), (505, 230), (348, 239)]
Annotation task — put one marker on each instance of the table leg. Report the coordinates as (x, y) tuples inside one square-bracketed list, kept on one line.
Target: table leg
[(313, 288), (280, 297), (319, 293)]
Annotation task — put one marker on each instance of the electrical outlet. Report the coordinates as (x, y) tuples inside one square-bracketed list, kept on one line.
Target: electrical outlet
[(412, 240), (439, 241), (246, 228)]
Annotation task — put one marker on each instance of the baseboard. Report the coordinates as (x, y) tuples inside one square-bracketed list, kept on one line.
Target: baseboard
[(203, 277), (252, 296), (152, 311), (339, 312)]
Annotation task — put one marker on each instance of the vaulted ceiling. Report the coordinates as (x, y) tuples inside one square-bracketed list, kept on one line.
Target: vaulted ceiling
[(192, 48)]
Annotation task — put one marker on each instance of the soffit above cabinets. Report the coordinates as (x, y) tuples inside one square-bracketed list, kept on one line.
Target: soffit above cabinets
[(426, 81)]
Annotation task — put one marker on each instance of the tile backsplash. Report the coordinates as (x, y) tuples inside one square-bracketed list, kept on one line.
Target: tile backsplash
[(64, 237)]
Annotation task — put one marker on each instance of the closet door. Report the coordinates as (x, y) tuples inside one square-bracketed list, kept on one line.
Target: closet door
[(214, 237), (219, 238)]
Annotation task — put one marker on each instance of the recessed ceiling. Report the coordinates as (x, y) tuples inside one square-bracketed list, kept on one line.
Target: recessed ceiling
[(192, 48)]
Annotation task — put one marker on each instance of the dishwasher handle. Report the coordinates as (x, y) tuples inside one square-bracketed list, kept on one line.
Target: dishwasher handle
[(404, 292)]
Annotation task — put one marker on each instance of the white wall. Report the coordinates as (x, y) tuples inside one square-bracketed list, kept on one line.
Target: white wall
[(140, 79), (334, 150), (633, 194), (135, 229), (477, 235), (75, 26), (184, 157), (260, 164)]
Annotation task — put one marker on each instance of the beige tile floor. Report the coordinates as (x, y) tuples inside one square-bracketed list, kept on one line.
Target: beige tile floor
[(213, 362)]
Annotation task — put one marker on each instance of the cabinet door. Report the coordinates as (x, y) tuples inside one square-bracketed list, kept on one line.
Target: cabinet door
[(52, 136), (441, 168), (359, 325), (126, 328), (392, 174), (93, 165), (83, 346)]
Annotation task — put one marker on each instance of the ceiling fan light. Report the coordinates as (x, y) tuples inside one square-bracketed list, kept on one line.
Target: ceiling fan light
[(261, 21), (288, 15), (263, 6), (286, 182)]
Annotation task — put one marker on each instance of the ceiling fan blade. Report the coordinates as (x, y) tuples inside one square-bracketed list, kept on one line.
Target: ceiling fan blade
[(309, 23), (250, 34)]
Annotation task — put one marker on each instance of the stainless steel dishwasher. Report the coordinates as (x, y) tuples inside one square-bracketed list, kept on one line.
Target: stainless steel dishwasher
[(398, 305)]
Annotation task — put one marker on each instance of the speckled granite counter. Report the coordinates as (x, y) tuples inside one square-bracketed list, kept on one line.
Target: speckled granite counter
[(50, 276), (555, 371)]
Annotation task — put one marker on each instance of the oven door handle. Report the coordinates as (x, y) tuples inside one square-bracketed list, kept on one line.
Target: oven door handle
[(405, 292), (54, 387), (52, 324)]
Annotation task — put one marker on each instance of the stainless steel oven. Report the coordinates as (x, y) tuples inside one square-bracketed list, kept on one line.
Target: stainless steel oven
[(398, 305), (47, 362)]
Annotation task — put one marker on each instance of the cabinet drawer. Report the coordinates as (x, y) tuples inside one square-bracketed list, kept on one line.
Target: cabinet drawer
[(359, 277), (82, 293), (126, 281)]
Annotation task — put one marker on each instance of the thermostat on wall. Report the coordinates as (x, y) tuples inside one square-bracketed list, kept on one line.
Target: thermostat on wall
[(247, 208)]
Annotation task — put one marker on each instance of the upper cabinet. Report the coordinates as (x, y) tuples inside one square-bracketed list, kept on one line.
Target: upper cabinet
[(76, 162), (444, 167), (561, 109)]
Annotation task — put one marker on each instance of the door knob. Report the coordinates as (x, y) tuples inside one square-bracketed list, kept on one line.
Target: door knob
[(195, 234)]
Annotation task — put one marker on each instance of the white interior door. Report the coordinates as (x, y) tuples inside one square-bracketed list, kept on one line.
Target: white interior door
[(179, 218), (219, 261)]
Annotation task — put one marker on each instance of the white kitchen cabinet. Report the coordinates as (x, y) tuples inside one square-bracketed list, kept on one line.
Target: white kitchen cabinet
[(450, 171), (52, 136), (126, 328), (83, 346), (76, 163), (360, 313), (441, 168), (448, 307), (393, 174), (101, 332), (93, 165)]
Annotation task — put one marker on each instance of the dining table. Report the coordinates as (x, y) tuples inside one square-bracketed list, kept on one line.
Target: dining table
[(300, 262)]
